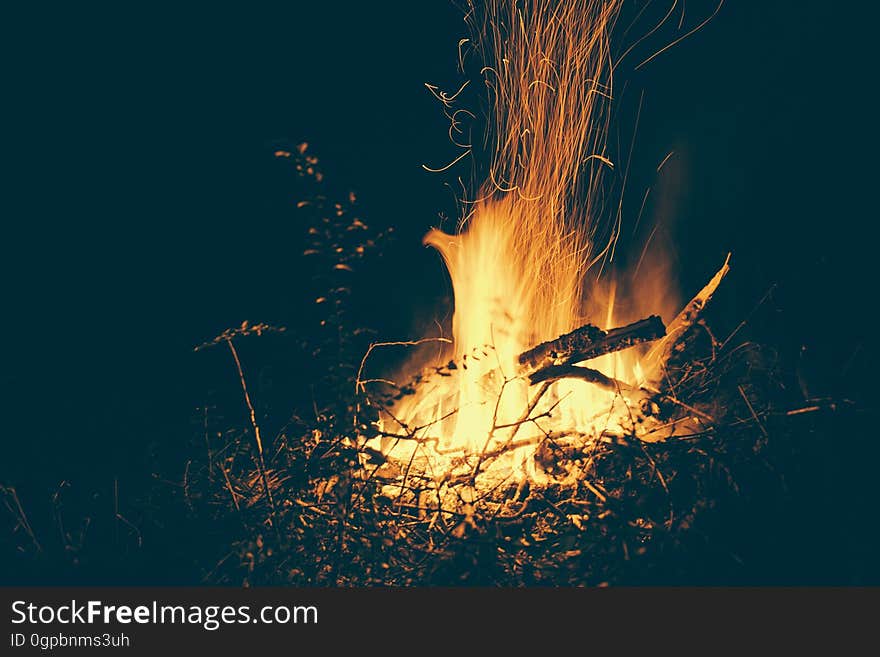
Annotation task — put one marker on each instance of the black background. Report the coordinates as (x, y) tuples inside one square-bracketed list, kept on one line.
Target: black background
[(143, 213)]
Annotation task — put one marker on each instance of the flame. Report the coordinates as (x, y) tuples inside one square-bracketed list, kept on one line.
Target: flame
[(519, 259)]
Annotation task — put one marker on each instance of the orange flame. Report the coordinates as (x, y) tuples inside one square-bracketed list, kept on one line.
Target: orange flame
[(519, 260)]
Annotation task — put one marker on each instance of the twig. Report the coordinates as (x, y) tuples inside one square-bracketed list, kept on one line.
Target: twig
[(752, 411), (259, 442), (229, 487), (208, 445), (121, 518), (359, 383), (17, 511), (186, 497), (748, 317)]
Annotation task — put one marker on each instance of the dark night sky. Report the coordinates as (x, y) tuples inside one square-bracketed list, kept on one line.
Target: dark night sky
[(140, 217)]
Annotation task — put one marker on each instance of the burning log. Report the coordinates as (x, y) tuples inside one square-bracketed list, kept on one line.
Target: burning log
[(673, 341), (590, 342), (569, 371)]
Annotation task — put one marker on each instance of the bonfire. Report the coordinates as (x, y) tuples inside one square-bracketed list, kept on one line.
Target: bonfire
[(579, 424), (524, 379), (573, 417)]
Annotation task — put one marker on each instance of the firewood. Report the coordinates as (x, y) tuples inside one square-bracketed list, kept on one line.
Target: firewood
[(568, 371), (590, 342), (673, 342)]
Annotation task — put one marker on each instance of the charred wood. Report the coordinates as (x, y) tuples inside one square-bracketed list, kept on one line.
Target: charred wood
[(588, 342)]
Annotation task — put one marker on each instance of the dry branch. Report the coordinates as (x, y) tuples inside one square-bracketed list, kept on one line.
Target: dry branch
[(663, 350)]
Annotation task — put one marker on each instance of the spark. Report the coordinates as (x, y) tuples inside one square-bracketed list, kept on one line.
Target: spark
[(450, 165), (683, 37), (665, 160)]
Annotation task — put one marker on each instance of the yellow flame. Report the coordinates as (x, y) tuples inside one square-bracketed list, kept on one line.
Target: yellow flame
[(519, 259)]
